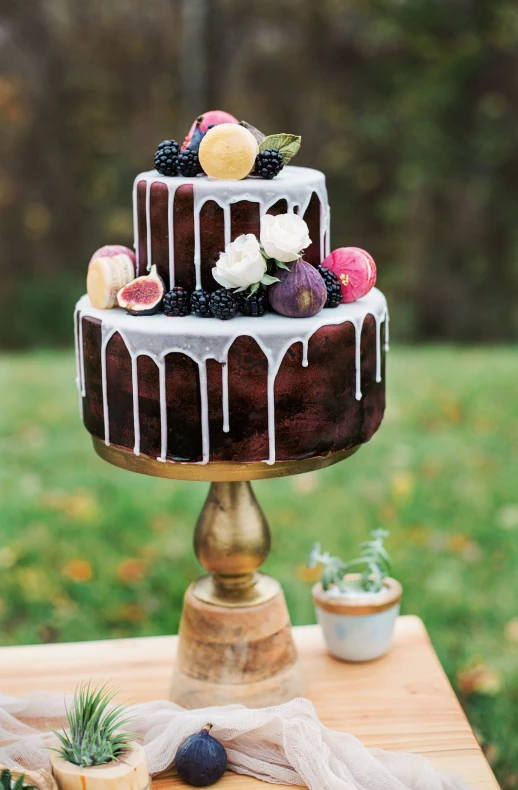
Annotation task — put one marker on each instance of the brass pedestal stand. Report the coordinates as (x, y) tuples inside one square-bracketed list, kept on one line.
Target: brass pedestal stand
[(235, 636)]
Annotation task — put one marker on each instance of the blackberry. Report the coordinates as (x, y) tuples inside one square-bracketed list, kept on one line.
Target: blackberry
[(269, 163), (334, 291), (177, 302), (253, 305), (200, 303), (166, 158), (188, 163), (224, 304)]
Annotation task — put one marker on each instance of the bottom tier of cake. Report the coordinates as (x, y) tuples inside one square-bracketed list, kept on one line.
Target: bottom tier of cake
[(197, 390)]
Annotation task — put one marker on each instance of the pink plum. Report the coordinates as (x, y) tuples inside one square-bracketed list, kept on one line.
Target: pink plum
[(109, 250), (210, 118), (355, 269)]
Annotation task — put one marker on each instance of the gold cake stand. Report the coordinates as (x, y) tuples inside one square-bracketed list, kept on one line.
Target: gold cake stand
[(235, 635)]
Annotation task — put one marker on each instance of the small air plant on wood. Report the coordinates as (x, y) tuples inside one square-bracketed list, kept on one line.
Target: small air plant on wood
[(95, 730), (96, 749), (373, 558), (357, 610)]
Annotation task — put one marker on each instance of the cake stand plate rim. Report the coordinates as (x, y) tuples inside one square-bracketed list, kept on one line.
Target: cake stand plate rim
[(227, 471)]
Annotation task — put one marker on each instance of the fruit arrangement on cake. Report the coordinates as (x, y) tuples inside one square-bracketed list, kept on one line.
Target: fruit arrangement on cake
[(231, 333)]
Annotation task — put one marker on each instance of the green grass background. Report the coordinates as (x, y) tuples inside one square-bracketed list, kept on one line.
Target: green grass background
[(88, 551)]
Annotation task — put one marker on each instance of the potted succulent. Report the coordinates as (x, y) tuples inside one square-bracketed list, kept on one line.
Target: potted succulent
[(95, 752), (13, 779), (357, 611)]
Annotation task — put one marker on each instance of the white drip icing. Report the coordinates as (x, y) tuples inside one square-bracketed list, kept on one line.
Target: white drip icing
[(106, 413), (328, 234), (205, 438), (136, 411), (135, 226), (378, 349), (78, 342), (163, 411), (157, 336), (295, 185), (357, 357), (226, 216), (170, 231), (224, 397), (148, 224)]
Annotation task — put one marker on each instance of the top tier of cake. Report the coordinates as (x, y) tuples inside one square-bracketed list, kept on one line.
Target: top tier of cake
[(183, 224)]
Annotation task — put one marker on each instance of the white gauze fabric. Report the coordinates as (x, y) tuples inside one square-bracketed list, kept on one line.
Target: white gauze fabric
[(286, 744)]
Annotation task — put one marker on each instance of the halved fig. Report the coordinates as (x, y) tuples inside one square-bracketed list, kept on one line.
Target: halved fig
[(144, 295)]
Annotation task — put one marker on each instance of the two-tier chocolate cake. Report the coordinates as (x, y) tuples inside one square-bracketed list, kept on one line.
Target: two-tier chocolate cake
[(231, 345), (182, 386)]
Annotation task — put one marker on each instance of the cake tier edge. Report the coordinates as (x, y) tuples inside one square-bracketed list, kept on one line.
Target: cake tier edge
[(269, 389)]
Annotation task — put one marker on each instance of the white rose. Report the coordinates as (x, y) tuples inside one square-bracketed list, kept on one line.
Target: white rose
[(242, 263), (284, 236)]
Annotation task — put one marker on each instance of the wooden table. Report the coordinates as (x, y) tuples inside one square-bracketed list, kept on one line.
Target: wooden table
[(401, 702)]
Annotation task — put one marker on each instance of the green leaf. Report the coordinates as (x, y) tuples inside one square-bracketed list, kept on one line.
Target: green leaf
[(287, 144), (18, 785), (282, 265), (253, 289), (267, 279)]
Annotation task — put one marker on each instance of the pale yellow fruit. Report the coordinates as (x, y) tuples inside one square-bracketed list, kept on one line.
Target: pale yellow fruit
[(106, 276), (228, 151)]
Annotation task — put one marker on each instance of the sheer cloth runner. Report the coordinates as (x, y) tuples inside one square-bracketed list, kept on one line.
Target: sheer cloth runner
[(286, 744)]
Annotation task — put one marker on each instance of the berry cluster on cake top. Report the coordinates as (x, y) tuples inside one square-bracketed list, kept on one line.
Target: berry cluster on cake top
[(256, 275), (220, 146)]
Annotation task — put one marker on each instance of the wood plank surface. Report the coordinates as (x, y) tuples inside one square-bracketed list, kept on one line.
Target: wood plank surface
[(402, 702)]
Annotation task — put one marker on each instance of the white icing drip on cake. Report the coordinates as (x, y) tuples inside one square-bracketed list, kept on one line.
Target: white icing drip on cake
[(78, 342), (295, 185), (136, 410), (202, 339)]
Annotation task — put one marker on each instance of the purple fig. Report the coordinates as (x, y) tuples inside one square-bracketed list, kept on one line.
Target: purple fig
[(201, 760), (300, 292)]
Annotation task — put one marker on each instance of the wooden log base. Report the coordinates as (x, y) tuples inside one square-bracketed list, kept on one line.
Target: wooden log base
[(243, 655), (129, 772)]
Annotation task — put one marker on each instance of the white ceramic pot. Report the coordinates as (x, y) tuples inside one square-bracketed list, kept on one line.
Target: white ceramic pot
[(358, 627), (129, 772)]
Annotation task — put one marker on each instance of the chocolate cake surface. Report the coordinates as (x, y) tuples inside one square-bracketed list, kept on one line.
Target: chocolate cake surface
[(183, 224)]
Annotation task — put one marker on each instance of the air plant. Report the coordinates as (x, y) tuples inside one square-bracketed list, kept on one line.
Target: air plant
[(8, 782), (95, 733), (373, 557)]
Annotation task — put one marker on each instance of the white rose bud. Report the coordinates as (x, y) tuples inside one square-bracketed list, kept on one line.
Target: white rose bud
[(241, 265), (284, 237)]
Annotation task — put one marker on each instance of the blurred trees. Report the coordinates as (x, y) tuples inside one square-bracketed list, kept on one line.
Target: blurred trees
[(407, 105)]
